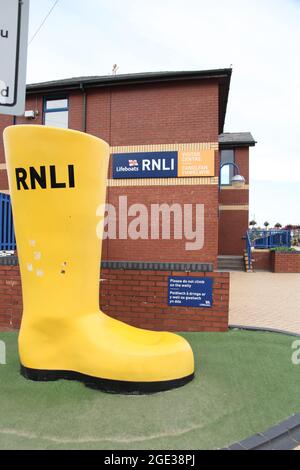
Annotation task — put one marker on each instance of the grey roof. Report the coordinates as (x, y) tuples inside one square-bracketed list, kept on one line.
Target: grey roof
[(222, 76), (132, 78), (236, 139)]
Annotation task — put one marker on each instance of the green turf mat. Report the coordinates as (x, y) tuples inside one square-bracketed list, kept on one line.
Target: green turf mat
[(245, 382)]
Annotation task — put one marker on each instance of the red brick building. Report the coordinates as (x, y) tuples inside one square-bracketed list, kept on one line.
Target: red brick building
[(157, 112)]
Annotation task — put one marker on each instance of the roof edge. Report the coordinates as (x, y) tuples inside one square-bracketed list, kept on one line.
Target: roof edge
[(236, 139), (230, 145), (128, 79)]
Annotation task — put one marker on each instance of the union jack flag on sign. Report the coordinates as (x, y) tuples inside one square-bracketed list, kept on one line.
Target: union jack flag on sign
[(133, 162)]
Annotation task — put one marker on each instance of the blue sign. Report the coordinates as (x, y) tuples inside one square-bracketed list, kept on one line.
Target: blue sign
[(145, 165), (184, 291)]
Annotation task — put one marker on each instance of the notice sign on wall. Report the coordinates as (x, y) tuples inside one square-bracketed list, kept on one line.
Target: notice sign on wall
[(14, 16), (167, 164), (196, 163), (184, 291)]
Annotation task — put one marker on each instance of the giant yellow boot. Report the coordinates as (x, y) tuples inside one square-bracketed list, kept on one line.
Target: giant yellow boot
[(57, 180)]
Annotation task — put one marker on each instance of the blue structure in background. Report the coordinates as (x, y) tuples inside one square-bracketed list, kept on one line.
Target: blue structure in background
[(7, 234), (271, 238), (266, 239)]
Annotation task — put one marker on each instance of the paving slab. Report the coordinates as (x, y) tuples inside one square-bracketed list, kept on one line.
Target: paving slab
[(264, 299)]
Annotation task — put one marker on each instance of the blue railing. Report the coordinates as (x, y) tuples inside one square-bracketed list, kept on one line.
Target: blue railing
[(270, 238), (7, 235), (248, 248), (266, 239)]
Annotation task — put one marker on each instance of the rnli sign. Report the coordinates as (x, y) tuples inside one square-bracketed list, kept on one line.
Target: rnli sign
[(167, 164), (13, 55)]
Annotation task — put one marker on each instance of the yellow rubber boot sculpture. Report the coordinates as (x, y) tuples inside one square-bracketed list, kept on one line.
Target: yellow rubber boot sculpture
[(57, 181)]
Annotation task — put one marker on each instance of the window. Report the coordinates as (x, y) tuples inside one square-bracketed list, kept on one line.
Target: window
[(227, 172), (56, 112)]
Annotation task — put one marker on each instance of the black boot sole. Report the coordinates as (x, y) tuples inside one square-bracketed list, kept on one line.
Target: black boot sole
[(105, 385)]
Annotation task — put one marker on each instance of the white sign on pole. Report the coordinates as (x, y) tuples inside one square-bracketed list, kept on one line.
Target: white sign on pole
[(14, 16)]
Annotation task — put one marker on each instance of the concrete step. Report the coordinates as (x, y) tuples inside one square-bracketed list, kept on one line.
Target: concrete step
[(231, 263)]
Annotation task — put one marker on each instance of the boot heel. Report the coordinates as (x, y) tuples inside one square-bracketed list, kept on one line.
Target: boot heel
[(39, 375)]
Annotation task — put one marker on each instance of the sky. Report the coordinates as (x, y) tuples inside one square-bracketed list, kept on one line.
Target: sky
[(259, 39)]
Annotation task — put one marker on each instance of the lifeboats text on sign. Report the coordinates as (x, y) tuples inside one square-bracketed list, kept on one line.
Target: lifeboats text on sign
[(168, 164)]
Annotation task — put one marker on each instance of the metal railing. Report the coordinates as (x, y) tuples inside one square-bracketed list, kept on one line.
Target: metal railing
[(248, 248), (266, 239), (7, 235), (270, 238)]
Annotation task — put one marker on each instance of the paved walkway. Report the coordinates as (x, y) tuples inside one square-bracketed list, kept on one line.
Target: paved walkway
[(266, 300)]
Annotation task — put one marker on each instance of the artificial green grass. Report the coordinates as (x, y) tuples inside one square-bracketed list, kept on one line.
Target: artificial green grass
[(245, 382)]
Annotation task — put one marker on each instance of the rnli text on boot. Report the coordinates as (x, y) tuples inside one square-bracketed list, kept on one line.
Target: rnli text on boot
[(44, 177)]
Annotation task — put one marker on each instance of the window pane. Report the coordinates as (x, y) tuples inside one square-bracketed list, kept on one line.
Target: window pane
[(53, 104), (225, 175), (59, 119), (227, 172)]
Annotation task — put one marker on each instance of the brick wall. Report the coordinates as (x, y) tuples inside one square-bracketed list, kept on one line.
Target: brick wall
[(241, 156), (155, 114), (233, 224), (141, 114), (3, 180), (76, 111), (32, 103), (261, 259), (166, 250), (285, 262), (137, 297), (234, 196), (4, 122), (10, 298), (140, 299)]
